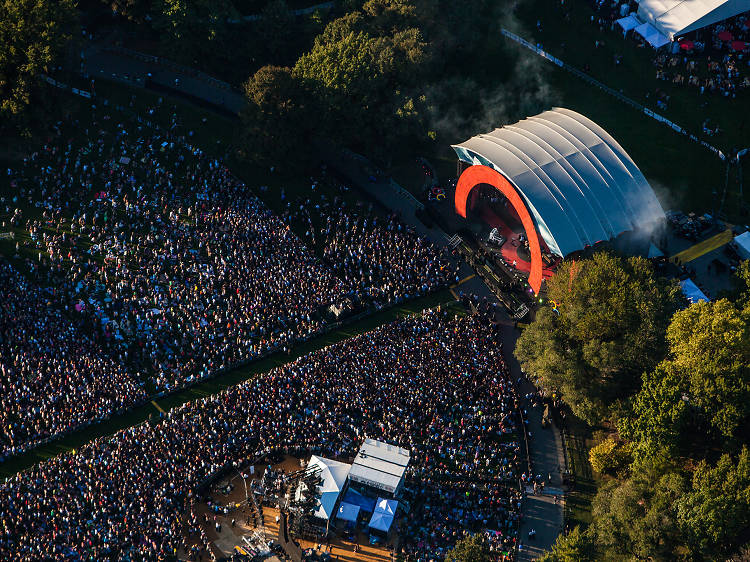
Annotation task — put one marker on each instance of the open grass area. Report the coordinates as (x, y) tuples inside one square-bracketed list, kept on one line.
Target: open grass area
[(208, 387)]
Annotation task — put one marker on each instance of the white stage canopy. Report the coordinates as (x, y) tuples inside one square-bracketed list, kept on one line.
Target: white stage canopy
[(628, 22), (333, 473), (653, 36), (692, 292), (380, 465), (673, 18), (743, 245)]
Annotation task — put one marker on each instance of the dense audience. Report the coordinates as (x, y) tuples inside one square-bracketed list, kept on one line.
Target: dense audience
[(380, 259), (174, 267), (433, 384), (54, 375)]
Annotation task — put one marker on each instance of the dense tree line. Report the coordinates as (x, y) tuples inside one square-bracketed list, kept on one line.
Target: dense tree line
[(671, 381)]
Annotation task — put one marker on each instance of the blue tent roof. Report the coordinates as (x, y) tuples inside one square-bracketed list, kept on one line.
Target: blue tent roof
[(348, 512), (381, 521), (355, 498)]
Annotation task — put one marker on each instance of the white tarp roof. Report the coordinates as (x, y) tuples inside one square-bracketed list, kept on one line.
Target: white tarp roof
[(653, 36), (692, 292), (628, 22), (386, 506), (334, 475), (380, 465), (676, 17), (743, 244), (579, 184)]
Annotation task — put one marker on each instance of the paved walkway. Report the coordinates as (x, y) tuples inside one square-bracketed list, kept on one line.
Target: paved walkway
[(131, 69)]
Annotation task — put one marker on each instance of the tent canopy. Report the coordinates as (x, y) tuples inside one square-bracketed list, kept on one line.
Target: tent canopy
[(628, 22), (381, 522), (692, 292), (386, 506), (348, 512), (380, 465), (677, 17), (333, 473), (743, 244), (354, 497), (653, 36)]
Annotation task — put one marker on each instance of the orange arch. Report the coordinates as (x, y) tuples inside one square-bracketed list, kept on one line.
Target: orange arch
[(473, 176)]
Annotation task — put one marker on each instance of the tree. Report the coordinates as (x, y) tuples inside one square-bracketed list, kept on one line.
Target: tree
[(194, 28), (636, 517), (609, 328), (278, 119), (700, 396), (33, 35), (609, 457), (715, 514), (473, 548), (575, 546)]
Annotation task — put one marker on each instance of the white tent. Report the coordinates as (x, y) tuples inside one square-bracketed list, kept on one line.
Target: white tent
[(653, 36), (676, 17), (692, 292), (380, 465), (628, 22), (743, 245), (333, 473)]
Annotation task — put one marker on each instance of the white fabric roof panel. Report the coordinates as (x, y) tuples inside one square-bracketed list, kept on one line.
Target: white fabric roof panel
[(380, 465), (333, 475), (579, 184), (677, 17)]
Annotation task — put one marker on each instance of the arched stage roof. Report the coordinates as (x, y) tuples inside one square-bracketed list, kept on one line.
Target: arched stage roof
[(577, 182)]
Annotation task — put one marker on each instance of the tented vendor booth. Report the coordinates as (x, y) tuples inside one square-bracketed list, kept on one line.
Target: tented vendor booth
[(692, 292)]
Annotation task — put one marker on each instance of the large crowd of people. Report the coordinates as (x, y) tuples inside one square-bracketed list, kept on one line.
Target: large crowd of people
[(434, 384), (174, 268), (54, 375), (380, 259)]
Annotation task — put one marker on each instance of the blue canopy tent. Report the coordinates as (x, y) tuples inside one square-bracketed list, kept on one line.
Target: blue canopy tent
[(348, 512), (355, 498), (382, 517)]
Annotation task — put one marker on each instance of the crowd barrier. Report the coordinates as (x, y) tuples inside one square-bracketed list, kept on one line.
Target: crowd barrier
[(593, 81)]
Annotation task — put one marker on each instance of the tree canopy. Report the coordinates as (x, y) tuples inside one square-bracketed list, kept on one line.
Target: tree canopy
[(609, 328), (575, 546), (473, 548), (699, 397), (33, 36)]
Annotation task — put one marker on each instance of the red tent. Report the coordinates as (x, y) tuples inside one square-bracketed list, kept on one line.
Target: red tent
[(739, 45), (686, 45), (725, 36)]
